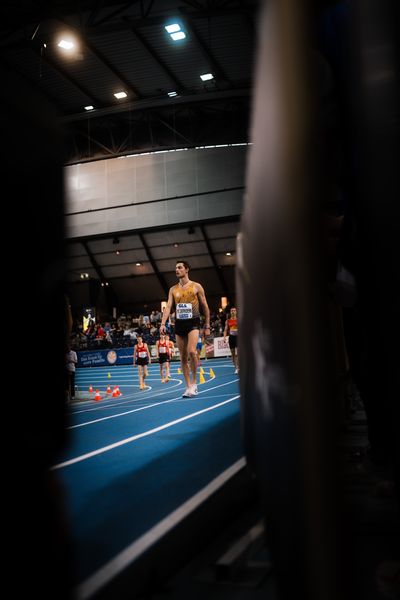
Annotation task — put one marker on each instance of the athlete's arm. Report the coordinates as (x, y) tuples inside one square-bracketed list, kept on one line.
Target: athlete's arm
[(226, 330), (167, 311), (204, 305)]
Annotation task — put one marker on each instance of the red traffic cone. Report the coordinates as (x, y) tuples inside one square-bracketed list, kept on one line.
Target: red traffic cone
[(97, 396), (91, 389), (115, 392), (108, 391), (118, 392)]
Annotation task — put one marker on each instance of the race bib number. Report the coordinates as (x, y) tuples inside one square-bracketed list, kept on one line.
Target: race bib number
[(162, 350), (142, 354), (184, 310)]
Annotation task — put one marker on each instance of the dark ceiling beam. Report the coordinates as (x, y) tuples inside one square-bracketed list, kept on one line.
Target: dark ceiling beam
[(249, 18), (173, 129), (116, 72), (112, 14), (93, 261), (219, 74), (94, 13), (124, 23), (194, 4), (111, 296), (157, 58), (214, 262), (160, 277), (33, 83), (82, 34), (199, 12), (169, 227), (157, 102), (123, 142), (56, 67), (99, 144)]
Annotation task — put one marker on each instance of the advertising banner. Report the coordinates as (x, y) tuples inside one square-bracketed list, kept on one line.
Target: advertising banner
[(221, 348), (105, 358)]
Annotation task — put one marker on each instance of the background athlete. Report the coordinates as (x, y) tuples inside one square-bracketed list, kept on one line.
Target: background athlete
[(141, 358), (231, 330)]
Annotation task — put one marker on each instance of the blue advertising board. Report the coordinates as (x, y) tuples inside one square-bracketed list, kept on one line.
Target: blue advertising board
[(105, 358)]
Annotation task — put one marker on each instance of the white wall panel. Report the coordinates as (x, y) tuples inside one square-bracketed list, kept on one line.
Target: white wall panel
[(154, 190)]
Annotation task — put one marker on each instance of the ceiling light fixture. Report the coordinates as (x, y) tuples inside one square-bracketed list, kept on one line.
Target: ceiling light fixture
[(120, 95), (175, 32), (66, 44), (206, 76)]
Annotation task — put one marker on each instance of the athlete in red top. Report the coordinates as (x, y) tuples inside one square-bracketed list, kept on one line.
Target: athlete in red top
[(231, 329), (163, 356), (141, 358)]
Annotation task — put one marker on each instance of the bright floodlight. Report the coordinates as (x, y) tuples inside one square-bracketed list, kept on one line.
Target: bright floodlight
[(206, 76), (173, 27), (180, 35), (66, 45)]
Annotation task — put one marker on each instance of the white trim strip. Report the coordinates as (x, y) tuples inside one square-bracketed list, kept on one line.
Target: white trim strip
[(132, 552)]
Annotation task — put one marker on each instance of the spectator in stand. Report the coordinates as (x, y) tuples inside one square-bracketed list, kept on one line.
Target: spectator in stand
[(71, 360), (100, 333)]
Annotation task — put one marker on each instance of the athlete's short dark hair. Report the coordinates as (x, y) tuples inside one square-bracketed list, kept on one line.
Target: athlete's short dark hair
[(185, 264)]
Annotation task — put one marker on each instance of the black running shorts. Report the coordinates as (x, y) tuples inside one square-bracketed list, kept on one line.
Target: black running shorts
[(233, 341), (184, 326)]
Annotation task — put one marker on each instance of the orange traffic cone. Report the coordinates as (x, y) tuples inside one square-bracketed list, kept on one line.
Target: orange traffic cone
[(115, 392), (91, 389), (118, 392), (108, 391), (97, 396)]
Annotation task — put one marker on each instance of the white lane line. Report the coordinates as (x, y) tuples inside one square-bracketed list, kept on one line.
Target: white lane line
[(133, 438), (127, 412), (101, 577), (87, 372), (127, 399)]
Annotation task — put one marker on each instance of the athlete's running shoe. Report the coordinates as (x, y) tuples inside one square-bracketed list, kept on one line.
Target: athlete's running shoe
[(188, 393)]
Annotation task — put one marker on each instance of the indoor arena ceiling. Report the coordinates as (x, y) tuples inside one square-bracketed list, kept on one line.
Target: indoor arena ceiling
[(124, 46), (135, 270)]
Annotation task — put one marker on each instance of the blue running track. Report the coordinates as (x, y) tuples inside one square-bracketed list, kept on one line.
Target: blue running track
[(137, 464)]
